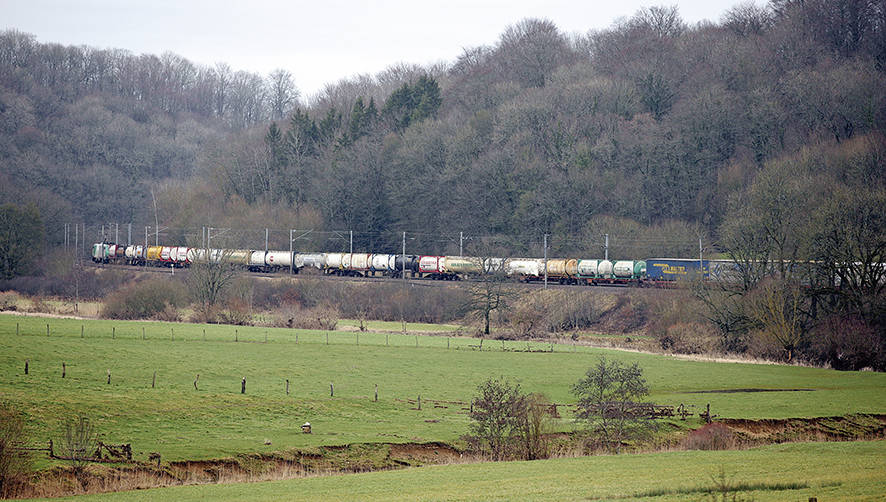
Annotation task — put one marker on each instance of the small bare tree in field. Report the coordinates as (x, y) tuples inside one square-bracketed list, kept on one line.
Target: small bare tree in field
[(608, 396), (79, 442)]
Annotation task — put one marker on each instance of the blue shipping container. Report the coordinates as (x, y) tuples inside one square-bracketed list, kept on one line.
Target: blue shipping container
[(673, 269)]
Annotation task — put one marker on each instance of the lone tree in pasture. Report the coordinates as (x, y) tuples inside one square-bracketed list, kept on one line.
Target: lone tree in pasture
[(496, 416), (507, 423), (608, 399)]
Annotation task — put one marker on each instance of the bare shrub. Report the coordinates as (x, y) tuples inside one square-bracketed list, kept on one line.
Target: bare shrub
[(714, 436), (536, 424), (676, 320), (145, 300), (9, 300), (236, 312), (848, 343), (205, 314), (323, 317), (79, 442), (14, 464), (168, 314), (539, 313), (689, 338)]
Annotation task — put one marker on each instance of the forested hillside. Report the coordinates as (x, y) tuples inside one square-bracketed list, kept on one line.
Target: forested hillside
[(645, 131)]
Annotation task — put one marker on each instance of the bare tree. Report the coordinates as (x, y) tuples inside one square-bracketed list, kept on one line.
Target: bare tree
[(608, 396), (13, 462), (780, 310), (210, 276), (497, 414), (79, 442), (283, 93), (489, 291)]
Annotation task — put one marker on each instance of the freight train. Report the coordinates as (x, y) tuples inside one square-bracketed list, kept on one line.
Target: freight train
[(581, 271)]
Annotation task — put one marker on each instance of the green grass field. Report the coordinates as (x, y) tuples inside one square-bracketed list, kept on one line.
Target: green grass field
[(788, 472), (217, 420)]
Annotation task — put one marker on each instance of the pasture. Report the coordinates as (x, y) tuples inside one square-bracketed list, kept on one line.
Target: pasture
[(789, 472), (217, 420)]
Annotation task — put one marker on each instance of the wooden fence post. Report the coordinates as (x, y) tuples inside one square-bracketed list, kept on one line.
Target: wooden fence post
[(204, 334), (447, 343), (26, 365), (296, 338), (376, 392), (236, 335), (154, 380), (327, 338), (81, 331), (287, 386), (358, 339), (172, 332), (64, 369), (109, 376), (196, 380), (386, 339), (331, 390), (243, 386), (47, 329), (16, 329), (114, 333), (143, 332), (419, 401)]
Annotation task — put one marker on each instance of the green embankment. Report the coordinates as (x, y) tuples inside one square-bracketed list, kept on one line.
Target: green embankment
[(217, 420), (798, 471)]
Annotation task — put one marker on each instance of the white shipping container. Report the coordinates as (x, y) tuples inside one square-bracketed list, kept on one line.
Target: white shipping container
[(334, 260), (526, 267), (623, 269), (381, 262), (278, 259), (360, 261), (587, 268), (257, 259)]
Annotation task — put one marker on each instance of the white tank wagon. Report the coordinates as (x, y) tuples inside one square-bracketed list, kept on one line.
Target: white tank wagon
[(526, 269)]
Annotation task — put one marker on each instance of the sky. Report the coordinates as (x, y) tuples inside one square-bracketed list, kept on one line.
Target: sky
[(319, 41)]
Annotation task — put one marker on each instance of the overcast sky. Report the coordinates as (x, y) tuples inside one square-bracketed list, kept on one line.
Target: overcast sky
[(319, 41)]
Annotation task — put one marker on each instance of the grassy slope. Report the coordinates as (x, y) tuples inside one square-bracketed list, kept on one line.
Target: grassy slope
[(829, 471), (217, 420)]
